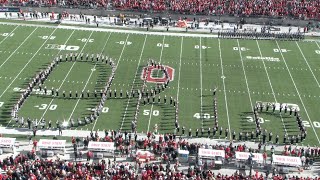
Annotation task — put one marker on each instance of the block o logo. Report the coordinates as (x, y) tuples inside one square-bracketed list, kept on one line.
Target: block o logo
[(158, 74)]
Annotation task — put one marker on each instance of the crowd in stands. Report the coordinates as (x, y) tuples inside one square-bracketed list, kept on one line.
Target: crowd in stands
[(30, 166), (309, 9)]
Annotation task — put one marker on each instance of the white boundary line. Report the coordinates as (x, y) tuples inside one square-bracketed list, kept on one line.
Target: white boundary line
[(125, 44), (134, 80), (119, 30), (18, 46), (224, 89), (284, 60), (201, 100), (178, 90), (66, 76), (114, 30), (9, 34), (27, 64), (164, 37), (317, 44), (274, 95), (245, 75), (88, 79)]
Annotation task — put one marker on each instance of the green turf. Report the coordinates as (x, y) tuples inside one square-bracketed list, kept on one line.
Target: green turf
[(198, 65)]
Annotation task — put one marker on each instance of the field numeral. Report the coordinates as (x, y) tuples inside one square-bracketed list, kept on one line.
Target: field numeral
[(86, 40), (241, 49), (250, 119), (317, 51), (164, 45), (7, 34), (1, 104), (52, 107), (146, 112), (205, 116), (47, 37), (124, 42), (280, 50), (105, 110), (202, 47), (315, 124)]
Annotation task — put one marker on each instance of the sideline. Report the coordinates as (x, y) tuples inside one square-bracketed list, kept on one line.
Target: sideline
[(112, 30), (310, 37)]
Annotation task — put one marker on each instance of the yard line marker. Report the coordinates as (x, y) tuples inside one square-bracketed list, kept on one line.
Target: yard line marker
[(94, 125), (85, 85), (25, 66), (308, 65), (264, 65), (224, 89), (201, 99), (134, 80), (9, 34), (66, 74), (164, 37), (311, 124), (245, 75), (18, 47)]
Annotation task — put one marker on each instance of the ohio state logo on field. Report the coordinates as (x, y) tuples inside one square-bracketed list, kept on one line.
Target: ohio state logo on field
[(158, 74)]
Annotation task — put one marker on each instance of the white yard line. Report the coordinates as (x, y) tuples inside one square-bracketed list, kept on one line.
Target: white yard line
[(201, 100), (317, 44), (66, 76), (245, 75), (76, 105), (9, 35), (164, 37), (308, 65), (26, 64), (224, 89), (178, 90), (24, 68), (134, 80), (274, 95), (305, 109), (119, 59), (18, 47)]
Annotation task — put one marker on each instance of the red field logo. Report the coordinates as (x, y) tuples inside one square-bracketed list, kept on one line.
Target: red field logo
[(167, 74)]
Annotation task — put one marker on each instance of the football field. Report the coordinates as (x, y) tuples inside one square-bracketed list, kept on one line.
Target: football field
[(245, 73)]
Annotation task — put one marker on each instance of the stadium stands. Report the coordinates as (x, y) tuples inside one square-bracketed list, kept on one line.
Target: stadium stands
[(31, 166), (302, 9)]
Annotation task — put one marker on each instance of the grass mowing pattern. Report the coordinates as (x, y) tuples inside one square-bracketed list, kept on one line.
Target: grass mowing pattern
[(292, 79)]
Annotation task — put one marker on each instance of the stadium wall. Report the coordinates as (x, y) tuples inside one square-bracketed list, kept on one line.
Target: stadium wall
[(224, 18)]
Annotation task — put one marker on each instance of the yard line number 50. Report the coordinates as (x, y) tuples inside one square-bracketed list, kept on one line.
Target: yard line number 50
[(146, 112)]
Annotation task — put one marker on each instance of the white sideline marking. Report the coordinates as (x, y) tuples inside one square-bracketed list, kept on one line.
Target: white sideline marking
[(264, 65), (304, 107), (75, 106), (224, 89), (18, 46), (134, 80), (164, 37)]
